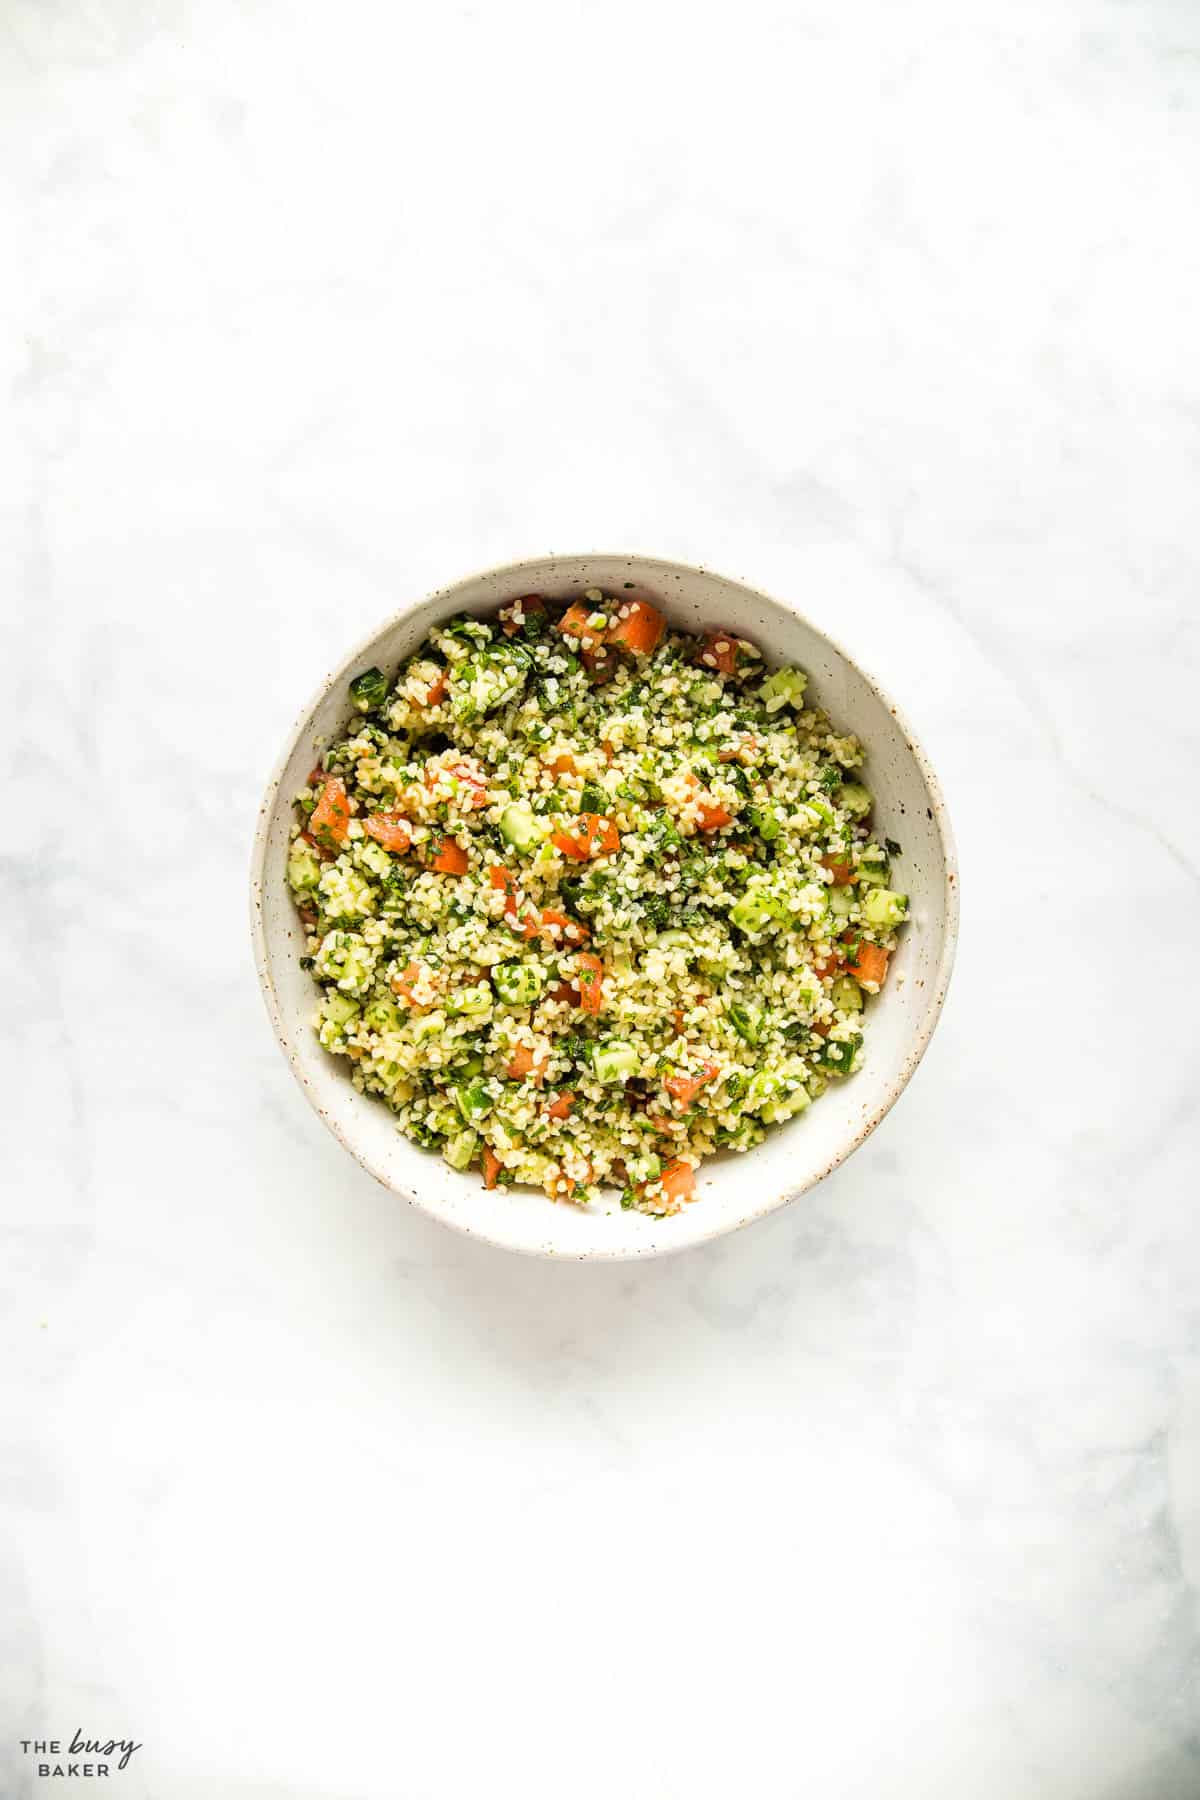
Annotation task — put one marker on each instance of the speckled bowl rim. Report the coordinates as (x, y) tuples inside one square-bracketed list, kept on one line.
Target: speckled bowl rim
[(756, 1209)]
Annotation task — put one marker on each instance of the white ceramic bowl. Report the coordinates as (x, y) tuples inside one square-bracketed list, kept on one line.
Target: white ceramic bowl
[(731, 1190)]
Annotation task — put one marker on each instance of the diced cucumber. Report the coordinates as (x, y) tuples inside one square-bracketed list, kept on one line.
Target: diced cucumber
[(837, 1054), (808, 820), (460, 1149), (784, 688), (842, 901), (873, 869), (593, 798), (754, 911), (473, 1102), (747, 1021), (381, 1015), (472, 1001), (339, 1009), (792, 1100), (518, 983), (883, 908), (846, 994), (521, 827), (372, 858), (347, 962), (303, 868), (763, 1089), (614, 1061), (767, 820), (855, 799)]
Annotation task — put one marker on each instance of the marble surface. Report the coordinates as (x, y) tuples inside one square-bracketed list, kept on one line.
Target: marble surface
[(889, 309)]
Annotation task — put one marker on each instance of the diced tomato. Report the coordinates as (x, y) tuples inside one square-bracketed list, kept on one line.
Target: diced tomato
[(711, 815), (562, 990), (436, 692), (841, 870), (330, 821), (593, 834), (823, 1027), (564, 764), (563, 1186), (447, 857), (518, 913), (679, 1181), (575, 621), (590, 975), (562, 930), (491, 1167), (684, 1088), (527, 920), (869, 963), (568, 844), (719, 652), (404, 984), (602, 834), (640, 630), (528, 603), (391, 829), (324, 854), (525, 1062), (560, 1106), (472, 782)]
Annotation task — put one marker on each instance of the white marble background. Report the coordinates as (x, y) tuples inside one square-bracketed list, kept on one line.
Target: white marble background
[(892, 308)]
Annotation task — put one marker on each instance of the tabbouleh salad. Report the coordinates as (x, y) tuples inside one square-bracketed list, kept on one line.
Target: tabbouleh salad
[(590, 899)]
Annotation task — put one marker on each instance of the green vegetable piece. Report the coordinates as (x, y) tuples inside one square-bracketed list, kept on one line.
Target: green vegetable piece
[(846, 994), (855, 799), (339, 1009), (381, 1015), (304, 867), (473, 1102), (459, 1151), (762, 1090), (883, 908), (593, 799), (518, 983), (791, 1095), (767, 821), (837, 1054), (368, 691), (520, 827), (488, 680), (754, 911), (471, 1001), (614, 1061), (784, 688), (873, 869), (747, 1021), (842, 901)]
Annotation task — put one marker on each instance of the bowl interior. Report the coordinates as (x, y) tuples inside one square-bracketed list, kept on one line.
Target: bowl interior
[(730, 1190)]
